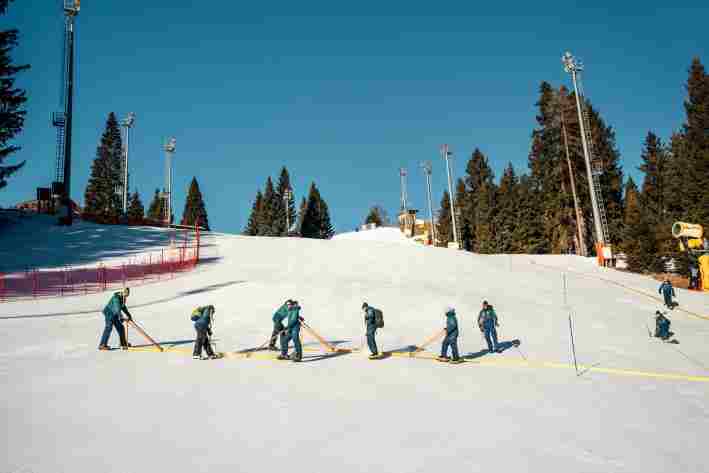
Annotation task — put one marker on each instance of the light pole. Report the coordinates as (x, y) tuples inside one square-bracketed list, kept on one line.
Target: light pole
[(447, 155), (170, 147), (572, 67), (426, 166), (286, 201), (127, 123), (404, 203)]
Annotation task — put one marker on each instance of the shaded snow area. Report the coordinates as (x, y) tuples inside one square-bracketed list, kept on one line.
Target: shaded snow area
[(638, 405), (35, 241)]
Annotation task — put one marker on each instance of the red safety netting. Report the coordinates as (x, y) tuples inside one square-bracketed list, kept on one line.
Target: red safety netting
[(180, 256)]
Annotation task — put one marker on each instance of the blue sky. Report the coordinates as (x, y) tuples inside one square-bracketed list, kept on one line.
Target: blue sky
[(342, 94)]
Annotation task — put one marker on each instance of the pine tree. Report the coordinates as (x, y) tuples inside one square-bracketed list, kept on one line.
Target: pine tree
[(12, 100), (373, 217), (136, 212), (528, 235), (478, 179), (157, 207), (301, 215), (377, 215), (549, 169), (267, 222), (485, 215), (654, 158), (695, 149), (638, 240), (195, 212), (445, 224), (101, 199), (283, 206), (506, 211), (252, 227), (316, 219)]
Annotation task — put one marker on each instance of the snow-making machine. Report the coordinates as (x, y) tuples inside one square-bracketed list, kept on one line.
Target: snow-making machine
[(692, 241)]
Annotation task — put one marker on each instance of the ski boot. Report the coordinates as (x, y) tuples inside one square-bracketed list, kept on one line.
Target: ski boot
[(104, 348), (443, 358), (456, 361), (374, 356), (272, 348), (283, 357), (215, 356), (297, 359), (196, 357)]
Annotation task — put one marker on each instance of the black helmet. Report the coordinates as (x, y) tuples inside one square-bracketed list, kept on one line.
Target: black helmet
[(364, 305)]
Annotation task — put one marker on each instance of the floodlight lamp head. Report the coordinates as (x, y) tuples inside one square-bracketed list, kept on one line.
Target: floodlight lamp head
[(171, 145), (129, 120)]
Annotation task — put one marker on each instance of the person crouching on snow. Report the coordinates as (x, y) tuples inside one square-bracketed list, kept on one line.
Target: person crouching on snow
[(112, 315), (202, 318)]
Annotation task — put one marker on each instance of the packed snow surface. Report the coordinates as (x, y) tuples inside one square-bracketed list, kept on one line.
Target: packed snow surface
[(638, 405), (381, 234)]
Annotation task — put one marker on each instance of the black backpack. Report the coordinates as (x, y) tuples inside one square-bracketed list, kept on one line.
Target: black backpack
[(378, 318)]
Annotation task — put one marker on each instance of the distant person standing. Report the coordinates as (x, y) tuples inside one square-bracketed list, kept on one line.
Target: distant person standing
[(487, 322), (292, 333), (370, 321), (451, 339), (278, 327), (668, 292), (693, 277), (112, 315)]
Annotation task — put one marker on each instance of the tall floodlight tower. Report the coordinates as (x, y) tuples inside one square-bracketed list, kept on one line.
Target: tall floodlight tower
[(426, 166), (61, 187), (594, 165), (169, 147), (404, 197), (447, 155), (287, 194), (126, 123)]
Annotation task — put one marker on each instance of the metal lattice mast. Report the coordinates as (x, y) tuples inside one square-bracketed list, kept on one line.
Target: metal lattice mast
[(169, 152), (579, 216), (446, 156), (404, 197), (426, 166), (127, 123), (63, 120), (594, 165)]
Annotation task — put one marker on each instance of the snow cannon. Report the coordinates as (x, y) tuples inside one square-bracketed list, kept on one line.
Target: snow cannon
[(687, 230), (689, 234)]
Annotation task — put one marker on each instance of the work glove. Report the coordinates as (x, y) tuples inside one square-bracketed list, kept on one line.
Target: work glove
[(302, 319)]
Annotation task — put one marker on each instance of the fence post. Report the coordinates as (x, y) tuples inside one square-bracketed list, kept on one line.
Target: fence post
[(124, 274), (34, 283), (2, 286)]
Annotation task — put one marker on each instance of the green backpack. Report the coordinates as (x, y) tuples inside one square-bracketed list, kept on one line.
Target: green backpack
[(379, 318)]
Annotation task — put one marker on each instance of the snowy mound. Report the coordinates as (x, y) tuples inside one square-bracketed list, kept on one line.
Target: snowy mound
[(383, 234), (525, 409), (47, 245)]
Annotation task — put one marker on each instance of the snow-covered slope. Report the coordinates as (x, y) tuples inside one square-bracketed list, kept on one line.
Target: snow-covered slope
[(381, 234), (638, 405)]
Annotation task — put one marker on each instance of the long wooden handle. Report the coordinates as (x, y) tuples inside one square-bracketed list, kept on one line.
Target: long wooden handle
[(433, 338), (322, 341), (147, 337)]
